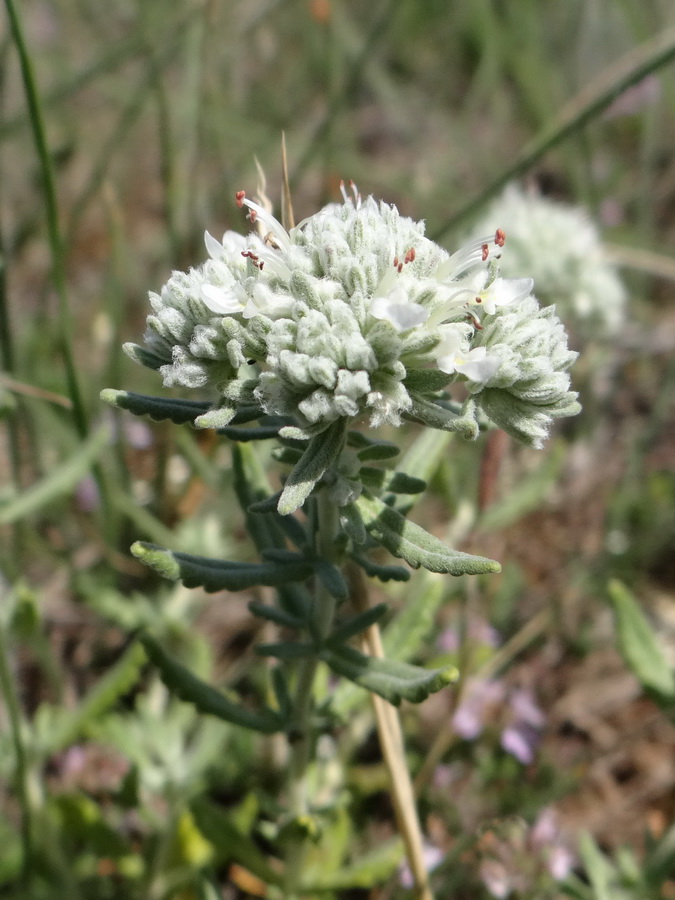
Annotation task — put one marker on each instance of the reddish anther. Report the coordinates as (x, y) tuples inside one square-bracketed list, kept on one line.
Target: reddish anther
[(485, 252), (396, 262), (410, 255), (239, 197), (500, 237)]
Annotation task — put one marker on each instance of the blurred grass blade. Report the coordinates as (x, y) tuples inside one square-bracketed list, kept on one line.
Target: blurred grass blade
[(641, 61), (638, 644), (60, 481), (51, 210)]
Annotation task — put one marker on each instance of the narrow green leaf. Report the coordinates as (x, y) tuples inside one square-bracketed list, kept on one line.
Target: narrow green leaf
[(352, 524), (376, 570), (206, 699), (282, 693), (216, 418), (322, 451), (332, 579), (392, 680), (286, 650), (218, 575), (356, 625), (400, 483), (366, 872), (116, 682), (638, 644), (426, 381), (378, 451), (144, 357), (435, 415), (416, 546), (276, 615), (61, 480), (158, 408)]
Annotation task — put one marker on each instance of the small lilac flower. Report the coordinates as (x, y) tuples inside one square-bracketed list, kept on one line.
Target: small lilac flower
[(479, 697)]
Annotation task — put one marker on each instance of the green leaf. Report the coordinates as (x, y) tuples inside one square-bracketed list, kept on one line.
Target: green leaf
[(206, 699), (216, 418), (436, 415), (158, 408), (352, 524), (377, 570), (218, 575), (145, 357), (638, 643), (356, 625), (322, 451), (61, 480), (390, 679), (276, 615), (116, 682), (400, 483), (332, 579), (366, 872), (217, 826), (426, 381), (286, 650), (378, 450), (416, 546)]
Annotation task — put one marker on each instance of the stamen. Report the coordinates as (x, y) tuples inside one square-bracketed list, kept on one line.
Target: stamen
[(500, 237), (410, 255), (239, 197), (485, 251)]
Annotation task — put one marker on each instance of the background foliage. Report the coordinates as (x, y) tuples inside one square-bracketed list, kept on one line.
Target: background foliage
[(153, 116)]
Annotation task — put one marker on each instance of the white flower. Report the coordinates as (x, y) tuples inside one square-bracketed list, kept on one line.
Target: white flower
[(398, 310), (344, 316), (560, 247), (454, 357)]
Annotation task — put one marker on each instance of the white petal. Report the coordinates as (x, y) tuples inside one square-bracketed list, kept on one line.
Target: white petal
[(220, 299), (402, 316), (504, 291), (213, 247), (478, 366)]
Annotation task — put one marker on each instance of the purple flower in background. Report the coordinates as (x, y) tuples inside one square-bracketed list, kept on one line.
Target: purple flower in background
[(513, 710)]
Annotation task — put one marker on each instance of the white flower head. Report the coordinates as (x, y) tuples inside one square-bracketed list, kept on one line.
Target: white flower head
[(352, 313), (559, 246)]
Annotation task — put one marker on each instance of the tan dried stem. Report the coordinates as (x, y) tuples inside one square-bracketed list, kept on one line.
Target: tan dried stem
[(393, 750)]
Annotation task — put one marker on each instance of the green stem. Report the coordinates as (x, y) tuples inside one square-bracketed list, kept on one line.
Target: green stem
[(586, 106), (14, 712), (55, 241), (301, 748)]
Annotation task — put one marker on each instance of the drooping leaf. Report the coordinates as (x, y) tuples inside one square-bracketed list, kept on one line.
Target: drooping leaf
[(638, 644), (205, 698), (218, 575), (416, 546), (158, 408), (352, 524), (332, 579), (392, 680), (244, 435), (321, 452)]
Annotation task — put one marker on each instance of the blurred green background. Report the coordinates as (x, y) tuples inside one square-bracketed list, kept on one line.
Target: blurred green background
[(154, 114)]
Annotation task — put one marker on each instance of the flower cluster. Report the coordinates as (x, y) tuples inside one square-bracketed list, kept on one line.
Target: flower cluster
[(559, 246), (354, 313)]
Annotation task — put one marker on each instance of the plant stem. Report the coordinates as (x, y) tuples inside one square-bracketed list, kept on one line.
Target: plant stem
[(393, 750), (14, 713), (301, 733)]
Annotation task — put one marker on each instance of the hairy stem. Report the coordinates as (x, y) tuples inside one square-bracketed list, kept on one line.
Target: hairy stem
[(301, 732)]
